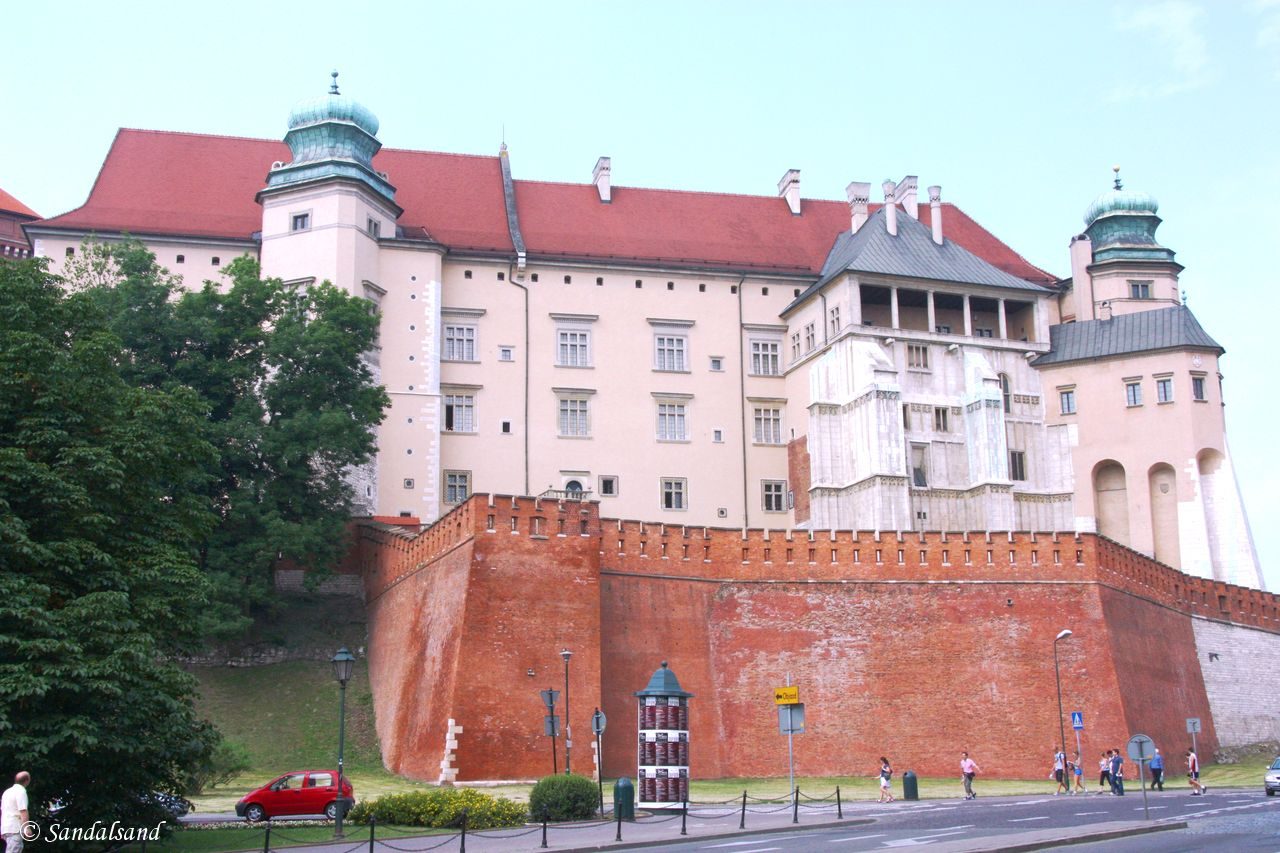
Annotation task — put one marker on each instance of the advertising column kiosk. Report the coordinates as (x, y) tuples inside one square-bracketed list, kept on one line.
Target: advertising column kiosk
[(663, 757)]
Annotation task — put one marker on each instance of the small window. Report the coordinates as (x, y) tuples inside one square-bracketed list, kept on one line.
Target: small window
[(702, 288), (810, 337), (599, 282), (1067, 401), (502, 276), (1140, 290), (671, 285), (733, 288), (942, 329), (834, 315), (300, 222), (795, 346), (466, 273), (568, 279), (457, 486), (941, 420), (764, 291), (717, 435), (609, 486), (674, 493), (984, 333), (639, 284), (534, 278), (773, 495), (920, 466), (1164, 389), (1133, 394), (1005, 393), (917, 356), (216, 260), (1197, 388), (574, 488), (71, 251), (182, 259), (506, 354), (506, 427), (374, 227), (1017, 465), (717, 363), (408, 482)]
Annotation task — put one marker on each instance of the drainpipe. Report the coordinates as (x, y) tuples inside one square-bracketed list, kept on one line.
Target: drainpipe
[(511, 277), (742, 400), (826, 335)]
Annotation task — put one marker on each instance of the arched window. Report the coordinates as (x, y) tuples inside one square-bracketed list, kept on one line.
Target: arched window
[(574, 488), (1004, 392)]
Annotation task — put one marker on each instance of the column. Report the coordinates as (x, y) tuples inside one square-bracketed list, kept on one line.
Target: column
[(968, 317), (1004, 334), (893, 307), (855, 303), (933, 319)]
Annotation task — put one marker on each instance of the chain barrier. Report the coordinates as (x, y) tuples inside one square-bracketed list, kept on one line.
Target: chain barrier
[(714, 816), (449, 839), (784, 807), (474, 834)]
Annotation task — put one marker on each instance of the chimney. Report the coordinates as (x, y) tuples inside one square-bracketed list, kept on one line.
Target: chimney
[(859, 193), (789, 188), (935, 212), (908, 193), (890, 208), (600, 177)]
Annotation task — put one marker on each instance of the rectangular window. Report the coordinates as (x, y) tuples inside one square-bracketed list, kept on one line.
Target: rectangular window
[(459, 343), (1017, 465), (574, 417), (764, 358), (674, 493), (574, 348), (717, 435), (835, 319), (459, 413), (919, 466), (774, 495), (457, 486), (717, 364), (795, 346), (1197, 388), (1139, 290), (984, 333), (918, 356), (810, 338), (300, 222), (374, 228), (672, 423), (768, 426), (942, 329), (1067, 401), (1164, 389), (941, 421), (1133, 394), (506, 354), (608, 486), (669, 353)]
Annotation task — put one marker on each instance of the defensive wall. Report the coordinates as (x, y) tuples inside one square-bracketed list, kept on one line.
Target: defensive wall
[(910, 645)]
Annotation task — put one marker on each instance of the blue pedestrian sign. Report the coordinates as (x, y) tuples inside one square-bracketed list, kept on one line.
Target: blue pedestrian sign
[(1077, 720)]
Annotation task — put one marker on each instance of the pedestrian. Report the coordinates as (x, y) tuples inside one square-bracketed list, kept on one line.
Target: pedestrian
[(1060, 772), (1104, 772), (13, 812), (1079, 777), (968, 769), (1193, 774), (1117, 773), (886, 776), (1157, 770)]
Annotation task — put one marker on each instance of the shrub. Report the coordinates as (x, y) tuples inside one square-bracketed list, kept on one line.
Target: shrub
[(440, 808), (567, 797), (227, 761)]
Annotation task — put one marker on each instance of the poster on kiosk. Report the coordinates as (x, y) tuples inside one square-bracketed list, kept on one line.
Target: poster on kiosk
[(662, 777)]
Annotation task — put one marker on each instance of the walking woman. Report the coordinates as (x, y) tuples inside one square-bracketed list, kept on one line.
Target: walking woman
[(1104, 772), (886, 776)]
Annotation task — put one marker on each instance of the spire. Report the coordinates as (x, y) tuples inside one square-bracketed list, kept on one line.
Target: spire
[(1115, 169), (333, 87)]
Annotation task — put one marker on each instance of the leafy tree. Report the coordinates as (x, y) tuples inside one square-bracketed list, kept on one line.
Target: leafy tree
[(102, 489), (292, 408)]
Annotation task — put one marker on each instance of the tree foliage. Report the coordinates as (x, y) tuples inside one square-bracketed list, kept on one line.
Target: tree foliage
[(102, 486), (292, 406)]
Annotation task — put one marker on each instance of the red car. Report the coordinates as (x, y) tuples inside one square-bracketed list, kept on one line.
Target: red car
[(304, 792)]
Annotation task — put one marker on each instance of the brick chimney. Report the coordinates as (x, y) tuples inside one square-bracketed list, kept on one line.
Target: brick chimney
[(890, 207), (859, 193), (908, 193), (600, 177), (789, 188), (935, 212)]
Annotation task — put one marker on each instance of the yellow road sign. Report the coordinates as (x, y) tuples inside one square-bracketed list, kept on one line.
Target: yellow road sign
[(786, 695)]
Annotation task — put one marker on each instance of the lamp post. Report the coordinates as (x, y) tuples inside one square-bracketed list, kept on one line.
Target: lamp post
[(568, 728), (1062, 731), (343, 663)]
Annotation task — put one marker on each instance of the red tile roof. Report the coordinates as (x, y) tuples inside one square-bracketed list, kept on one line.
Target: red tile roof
[(9, 204), (156, 182)]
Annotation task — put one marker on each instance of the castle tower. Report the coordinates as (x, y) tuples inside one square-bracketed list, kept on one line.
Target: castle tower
[(1135, 380)]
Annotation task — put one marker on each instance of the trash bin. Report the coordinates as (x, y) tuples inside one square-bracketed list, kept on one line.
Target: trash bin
[(624, 799), (910, 790)]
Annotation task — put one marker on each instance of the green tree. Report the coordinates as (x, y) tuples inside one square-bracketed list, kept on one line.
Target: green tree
[(101, 502), (293, 408)]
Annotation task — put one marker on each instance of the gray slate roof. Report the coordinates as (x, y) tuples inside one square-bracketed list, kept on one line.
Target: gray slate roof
[(1162, 328), (912, 253)]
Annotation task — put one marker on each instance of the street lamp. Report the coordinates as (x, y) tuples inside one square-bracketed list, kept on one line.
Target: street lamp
[(1062, 731), (343, 663), (568, 729)]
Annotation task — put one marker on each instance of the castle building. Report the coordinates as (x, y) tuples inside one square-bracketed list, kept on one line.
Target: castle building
[(708, 359), (13, 215)]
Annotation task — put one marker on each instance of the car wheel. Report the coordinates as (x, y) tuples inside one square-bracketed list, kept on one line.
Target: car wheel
[(331, 811), (255, 813), (1270, 793)]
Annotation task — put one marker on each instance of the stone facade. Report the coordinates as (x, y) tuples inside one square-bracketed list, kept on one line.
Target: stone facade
[(1241, 667)]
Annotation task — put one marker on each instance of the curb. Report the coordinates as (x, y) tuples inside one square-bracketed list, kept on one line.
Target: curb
[(738, 833)]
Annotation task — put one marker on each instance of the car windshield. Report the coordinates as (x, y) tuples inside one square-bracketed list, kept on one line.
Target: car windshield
[(1276, 765)]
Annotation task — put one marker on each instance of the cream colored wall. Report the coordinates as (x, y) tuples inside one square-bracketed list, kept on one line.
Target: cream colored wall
[(1111, 285), (198, 256)]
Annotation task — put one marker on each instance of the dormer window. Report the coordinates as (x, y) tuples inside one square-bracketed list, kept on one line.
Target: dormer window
[(300, 222)]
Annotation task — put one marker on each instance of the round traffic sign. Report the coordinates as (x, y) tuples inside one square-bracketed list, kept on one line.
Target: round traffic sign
[(1141, 748), (598, 722)]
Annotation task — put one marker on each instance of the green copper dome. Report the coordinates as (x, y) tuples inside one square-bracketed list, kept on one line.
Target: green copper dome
[(333, 107), (1122, 225), (1120, 201)]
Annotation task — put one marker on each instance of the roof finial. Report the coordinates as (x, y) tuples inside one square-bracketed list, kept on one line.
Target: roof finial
[(1119, 185), (333, 87)]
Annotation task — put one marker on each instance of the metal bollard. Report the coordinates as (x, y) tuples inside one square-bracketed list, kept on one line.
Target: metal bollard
[(373, 820), (839, 812), (618, 813), (795, 805), (684, 814), (463, 847), (266, 839), (742, 822), (544, 827)]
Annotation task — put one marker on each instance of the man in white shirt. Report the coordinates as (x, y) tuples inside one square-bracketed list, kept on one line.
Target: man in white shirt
[(13, 812)]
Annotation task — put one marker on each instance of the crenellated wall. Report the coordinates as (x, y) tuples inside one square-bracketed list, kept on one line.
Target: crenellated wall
[(912, 645)]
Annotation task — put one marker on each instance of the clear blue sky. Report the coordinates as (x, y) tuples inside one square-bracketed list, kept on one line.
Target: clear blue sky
[(1017, 109)]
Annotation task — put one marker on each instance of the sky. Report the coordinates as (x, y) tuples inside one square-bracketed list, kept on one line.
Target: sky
[(1018, 110)]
